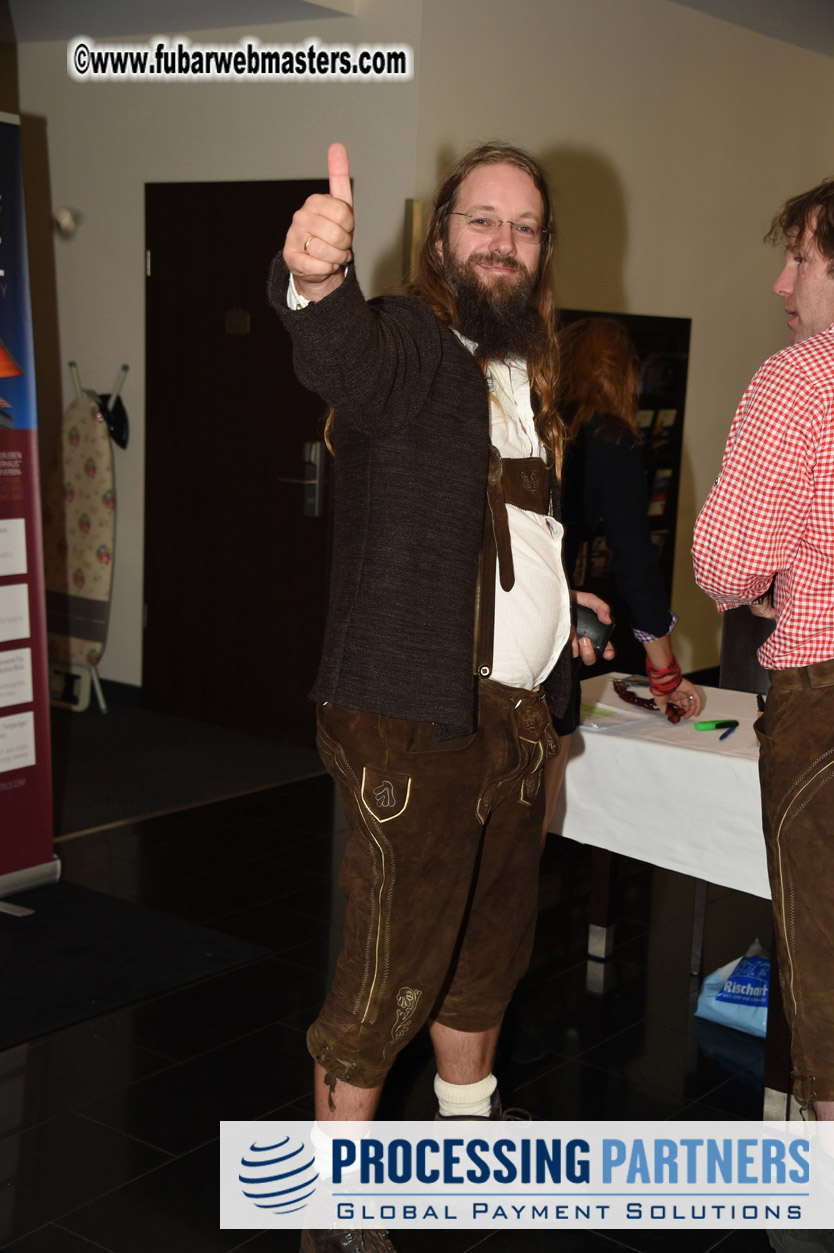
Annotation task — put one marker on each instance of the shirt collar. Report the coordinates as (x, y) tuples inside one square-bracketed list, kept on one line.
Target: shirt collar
[(517, 363)]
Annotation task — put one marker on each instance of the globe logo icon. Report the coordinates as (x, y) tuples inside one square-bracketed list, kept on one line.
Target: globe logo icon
[(279, 1177)]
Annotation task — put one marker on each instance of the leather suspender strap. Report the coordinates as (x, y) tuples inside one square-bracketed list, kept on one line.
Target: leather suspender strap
[(485, 600), (527, 482), (521, 481), (497, 509)]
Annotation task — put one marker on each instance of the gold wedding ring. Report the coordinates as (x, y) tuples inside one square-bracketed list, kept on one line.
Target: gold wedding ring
[(307, 242)]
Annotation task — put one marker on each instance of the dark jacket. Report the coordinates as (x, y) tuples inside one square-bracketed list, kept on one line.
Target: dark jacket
[(604, 482), (412, 446)]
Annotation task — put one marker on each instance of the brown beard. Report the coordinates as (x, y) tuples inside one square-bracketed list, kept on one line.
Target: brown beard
[(497, 317)]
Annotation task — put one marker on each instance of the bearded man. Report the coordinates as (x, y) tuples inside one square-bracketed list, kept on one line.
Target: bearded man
[(448, 632)]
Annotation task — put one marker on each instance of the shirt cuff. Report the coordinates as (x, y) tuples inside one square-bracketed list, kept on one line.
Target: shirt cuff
[(645, 638), (294, 300)]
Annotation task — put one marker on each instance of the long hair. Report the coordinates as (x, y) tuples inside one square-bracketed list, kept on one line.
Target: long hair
[(431, 285), (600, 373), (811, 212)]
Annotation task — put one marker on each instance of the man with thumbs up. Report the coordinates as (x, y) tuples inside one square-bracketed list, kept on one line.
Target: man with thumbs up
[(448, 632)]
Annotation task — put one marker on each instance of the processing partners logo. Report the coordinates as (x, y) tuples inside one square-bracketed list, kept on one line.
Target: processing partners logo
[(539, 1175), (279, 1176)]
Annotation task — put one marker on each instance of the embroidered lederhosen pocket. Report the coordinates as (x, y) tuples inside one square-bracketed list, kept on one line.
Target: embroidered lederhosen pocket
[(385, 793), (535, 735), (531, 782)]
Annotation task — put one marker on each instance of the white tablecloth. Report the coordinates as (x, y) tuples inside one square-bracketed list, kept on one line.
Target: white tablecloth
[(670, 795)]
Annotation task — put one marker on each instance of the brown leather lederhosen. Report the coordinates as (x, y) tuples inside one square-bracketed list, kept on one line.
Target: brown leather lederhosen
[(450, 944), (521, 481)]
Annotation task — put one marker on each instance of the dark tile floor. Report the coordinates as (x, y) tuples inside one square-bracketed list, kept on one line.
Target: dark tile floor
[(108, 1129)]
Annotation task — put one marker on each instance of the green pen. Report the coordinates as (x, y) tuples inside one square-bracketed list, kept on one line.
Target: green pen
[(716, 726)]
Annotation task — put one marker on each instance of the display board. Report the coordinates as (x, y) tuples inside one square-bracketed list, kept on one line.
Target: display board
[(26, 830)]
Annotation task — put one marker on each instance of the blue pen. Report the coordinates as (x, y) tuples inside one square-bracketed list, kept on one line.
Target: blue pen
[(729, 731)]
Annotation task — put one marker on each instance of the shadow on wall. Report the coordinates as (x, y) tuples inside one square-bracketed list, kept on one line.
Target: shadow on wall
[(592, 233)]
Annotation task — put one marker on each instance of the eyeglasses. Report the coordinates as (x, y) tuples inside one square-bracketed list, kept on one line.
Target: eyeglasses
[(483, 224)]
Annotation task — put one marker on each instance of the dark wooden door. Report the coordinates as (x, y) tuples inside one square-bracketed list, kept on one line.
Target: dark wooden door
[(235, 574)]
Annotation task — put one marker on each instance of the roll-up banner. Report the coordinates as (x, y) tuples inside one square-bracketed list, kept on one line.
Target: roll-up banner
[(26, 847)]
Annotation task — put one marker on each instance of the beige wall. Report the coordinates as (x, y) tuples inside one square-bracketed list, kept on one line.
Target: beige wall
[(106, 140), (670, 137)]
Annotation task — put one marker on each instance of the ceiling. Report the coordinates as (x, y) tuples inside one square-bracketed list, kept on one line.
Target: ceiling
[(806, 23), (38, 20)]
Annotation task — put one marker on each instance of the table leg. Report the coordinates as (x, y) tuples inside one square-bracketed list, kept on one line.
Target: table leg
[(601, 923), (699, 914), (599, 977)]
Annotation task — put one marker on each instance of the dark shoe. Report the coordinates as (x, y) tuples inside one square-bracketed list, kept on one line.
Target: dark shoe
[(346, 1242), (496, 1114)]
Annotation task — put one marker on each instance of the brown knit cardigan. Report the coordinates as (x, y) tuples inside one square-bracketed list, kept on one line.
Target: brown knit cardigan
[(412, 446)]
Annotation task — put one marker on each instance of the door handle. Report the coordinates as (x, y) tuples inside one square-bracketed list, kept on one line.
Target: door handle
[(312, 468), (313, 463)]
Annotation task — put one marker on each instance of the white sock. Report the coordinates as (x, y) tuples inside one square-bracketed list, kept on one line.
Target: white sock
[(465, 1100)]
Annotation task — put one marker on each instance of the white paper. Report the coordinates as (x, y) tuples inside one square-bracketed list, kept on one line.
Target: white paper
[(12, 546), (16, 677), (14, 612), (600, 717), (17, 741)]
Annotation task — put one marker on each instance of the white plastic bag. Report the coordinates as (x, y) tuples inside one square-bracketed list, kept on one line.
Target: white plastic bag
[(735, 995)]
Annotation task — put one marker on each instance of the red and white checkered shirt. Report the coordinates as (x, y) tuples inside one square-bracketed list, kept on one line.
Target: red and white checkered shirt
[(771, 511)]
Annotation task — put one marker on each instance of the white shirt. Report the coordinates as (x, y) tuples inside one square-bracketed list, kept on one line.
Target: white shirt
[(532, 620)]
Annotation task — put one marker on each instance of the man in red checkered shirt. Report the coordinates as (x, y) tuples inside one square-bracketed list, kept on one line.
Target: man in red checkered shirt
[(765, 538)]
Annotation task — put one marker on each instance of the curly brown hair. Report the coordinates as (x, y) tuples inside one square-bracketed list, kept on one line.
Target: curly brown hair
[(431, 285), (600, 373), (812, 212)]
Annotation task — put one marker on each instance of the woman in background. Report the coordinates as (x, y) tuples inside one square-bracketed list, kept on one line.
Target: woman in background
[(603, 480)]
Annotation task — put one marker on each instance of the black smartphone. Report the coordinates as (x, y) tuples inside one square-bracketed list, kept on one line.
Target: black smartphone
[(587, 623)]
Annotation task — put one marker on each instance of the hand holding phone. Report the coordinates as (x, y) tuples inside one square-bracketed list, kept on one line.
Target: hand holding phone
[(588, 624)]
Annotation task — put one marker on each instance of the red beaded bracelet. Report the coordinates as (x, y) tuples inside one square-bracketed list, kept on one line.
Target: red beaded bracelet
[(666, 680)]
